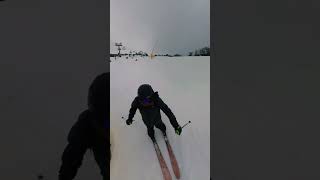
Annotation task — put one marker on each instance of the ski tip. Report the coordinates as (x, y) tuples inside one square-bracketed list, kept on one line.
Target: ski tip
[(177, 173)]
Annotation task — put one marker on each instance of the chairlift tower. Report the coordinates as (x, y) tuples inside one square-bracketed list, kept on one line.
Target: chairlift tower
[(119, 45)]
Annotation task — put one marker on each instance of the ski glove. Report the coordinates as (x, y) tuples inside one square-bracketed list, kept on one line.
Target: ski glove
[(129, 121), (178, 130)]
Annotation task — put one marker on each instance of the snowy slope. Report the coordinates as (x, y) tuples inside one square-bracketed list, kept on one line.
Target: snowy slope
[(184, 84)]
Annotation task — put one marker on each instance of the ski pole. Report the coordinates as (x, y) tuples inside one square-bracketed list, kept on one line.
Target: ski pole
[(185, 124)]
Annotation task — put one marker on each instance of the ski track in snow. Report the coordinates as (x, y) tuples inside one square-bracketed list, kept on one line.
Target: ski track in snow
[(184, 85)]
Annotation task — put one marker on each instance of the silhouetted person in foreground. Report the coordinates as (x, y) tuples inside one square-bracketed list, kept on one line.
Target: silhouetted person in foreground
[(149, 104), (91, 131)]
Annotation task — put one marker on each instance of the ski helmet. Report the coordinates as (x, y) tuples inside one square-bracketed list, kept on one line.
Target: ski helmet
[(145, 90)]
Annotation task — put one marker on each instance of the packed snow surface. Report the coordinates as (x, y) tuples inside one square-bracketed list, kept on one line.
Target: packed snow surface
[(184, 85)]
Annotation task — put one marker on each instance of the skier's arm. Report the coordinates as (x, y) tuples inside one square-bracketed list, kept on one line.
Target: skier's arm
[(168, 112), (133, 109)]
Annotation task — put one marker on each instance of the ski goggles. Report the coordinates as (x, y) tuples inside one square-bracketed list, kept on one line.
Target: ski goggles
[(147, 101)]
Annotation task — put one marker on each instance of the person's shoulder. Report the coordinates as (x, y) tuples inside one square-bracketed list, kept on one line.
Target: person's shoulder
[(156, 95), (136, 99), (85, 114)]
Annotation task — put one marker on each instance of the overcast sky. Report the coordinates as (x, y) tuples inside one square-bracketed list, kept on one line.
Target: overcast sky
[(177, 26)]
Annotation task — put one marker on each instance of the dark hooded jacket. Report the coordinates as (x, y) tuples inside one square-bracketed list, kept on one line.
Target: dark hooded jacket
[(151, 112), (95, 120), (91, 131)]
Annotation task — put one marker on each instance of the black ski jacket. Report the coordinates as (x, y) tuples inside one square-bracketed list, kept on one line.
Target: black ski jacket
[(151, 115)]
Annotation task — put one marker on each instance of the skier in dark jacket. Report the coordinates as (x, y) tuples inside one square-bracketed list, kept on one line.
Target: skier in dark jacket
[(149, 104), (91, 131)]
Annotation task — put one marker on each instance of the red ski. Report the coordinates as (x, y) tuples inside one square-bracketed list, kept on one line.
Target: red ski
[(164, 167), (173, 159)]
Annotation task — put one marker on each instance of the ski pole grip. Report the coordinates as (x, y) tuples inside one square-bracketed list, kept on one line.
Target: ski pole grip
[(123, 118)]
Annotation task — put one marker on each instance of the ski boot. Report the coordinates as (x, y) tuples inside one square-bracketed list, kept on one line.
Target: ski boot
[(165, 135), (153, 140)]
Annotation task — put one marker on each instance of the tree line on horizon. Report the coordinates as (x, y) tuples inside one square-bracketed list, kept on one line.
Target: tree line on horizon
[(205, 51)]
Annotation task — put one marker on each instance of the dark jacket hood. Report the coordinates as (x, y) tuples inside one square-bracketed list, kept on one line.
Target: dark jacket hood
[(99, 95)]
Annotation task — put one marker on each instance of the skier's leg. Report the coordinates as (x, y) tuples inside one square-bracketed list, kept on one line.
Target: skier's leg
[(75, 150), (151, 133), (71, 161), (160, 125), (100, 152)]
